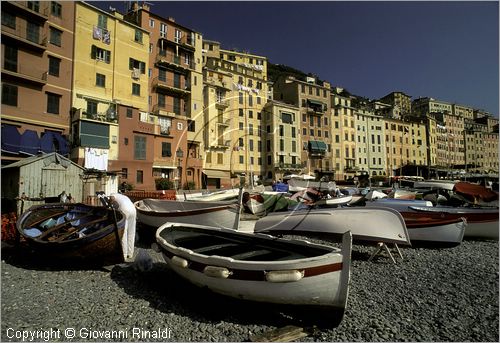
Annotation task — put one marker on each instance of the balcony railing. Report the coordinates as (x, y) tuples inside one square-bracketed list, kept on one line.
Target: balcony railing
[(184, 41), (25, 72), (172, 84), (222, 103), (35, 9), (20, 33), (106, 117), (166, 57), (294, 166), (168, 110)]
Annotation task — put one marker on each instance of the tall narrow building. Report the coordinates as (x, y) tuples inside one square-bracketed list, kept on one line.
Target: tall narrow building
[(111, 127), (37, 53), (175, 96)]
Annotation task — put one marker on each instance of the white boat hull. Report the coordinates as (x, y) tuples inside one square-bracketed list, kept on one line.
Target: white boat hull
[(321, 280), (155, 213), (481, 222), (296, 185), (448, 234), (373, 224)]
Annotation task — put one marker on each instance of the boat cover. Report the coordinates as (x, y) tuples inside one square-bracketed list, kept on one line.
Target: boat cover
[(472, 191)]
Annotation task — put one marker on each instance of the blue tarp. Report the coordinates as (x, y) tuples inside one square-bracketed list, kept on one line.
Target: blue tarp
[(30, 143), (47, 142), (63, 144), (11, 139)]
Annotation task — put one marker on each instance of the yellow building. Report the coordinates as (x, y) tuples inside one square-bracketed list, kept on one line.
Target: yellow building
[(282, 146), (247, 97), (216, 124), (110, 71), (343, 136)]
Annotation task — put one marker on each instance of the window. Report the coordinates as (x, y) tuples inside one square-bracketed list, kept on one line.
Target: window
[(53, 103), (293, 132), (240, 112), (100, 80), (178, 36), (163, 30), (54, 65), (138, 36), (125, 141), (140, 176), (10, 58), (166, 149), (139, 148), (250, 144), (100, 54), (240, 97), (124, 173), (9, 94), (282, 130), (165, 124), (55, 9), (151, 23), (91, 107), (250, 129), (250, 114), (134, 64), (55, 36), (240, 142), (136, 89), (129, 113), (102, 21), (8, 20), (241, 159), (191, 125), (34, 5), (250, 100), (286, 118), (33, 32)]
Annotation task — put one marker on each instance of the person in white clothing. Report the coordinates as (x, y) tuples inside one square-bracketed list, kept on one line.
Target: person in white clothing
[(126, 206)]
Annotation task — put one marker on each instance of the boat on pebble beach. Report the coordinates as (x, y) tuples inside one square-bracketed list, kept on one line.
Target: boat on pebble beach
[(74, 231), (156, 212), (259, 267), (366, 224), (426, 230)]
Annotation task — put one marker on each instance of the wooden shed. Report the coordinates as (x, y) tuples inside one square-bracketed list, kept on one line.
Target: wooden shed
[(42, 177)]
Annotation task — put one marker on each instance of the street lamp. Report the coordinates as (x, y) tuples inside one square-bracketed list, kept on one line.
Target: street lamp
[(179, 154)]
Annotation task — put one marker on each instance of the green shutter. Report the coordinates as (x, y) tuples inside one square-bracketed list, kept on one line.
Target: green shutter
[(93, 53)]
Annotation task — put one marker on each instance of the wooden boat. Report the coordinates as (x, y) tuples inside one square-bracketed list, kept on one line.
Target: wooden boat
[(156, 212), (427, 230), (259, 267), (374, 224), (481, 222), (75, 231)]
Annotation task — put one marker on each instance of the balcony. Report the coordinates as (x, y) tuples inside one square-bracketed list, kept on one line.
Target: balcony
[(220, 144), (21, 35), (108, 117), (183, 42), (33, 10), (171, 60), (222, 104), (217, 82), (25, 73), (168, 110), (223, 122), (172, 85), (288, 166)]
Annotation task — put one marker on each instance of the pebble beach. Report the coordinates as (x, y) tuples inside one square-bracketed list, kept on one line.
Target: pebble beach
[(447, 294)]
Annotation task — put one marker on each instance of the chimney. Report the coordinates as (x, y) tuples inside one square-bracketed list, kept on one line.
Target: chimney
[(172, 19)]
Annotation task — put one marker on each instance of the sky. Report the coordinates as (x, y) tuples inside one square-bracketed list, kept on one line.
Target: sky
[(447, 50)]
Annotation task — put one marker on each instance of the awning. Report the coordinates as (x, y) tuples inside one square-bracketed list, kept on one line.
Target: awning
[(47, 142), (63, 144), (30, 143), (217, 174), (317, 147), (11, 139), (315, 102)]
